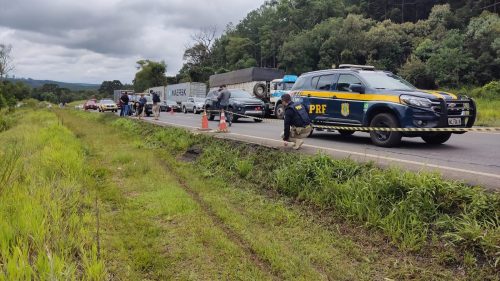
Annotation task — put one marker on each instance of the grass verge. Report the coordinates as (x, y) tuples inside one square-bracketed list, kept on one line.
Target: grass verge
[(450, 223), (488, 113), (47, 223)]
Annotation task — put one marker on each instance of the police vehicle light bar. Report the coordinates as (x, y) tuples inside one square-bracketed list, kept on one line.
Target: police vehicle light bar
[(354, 66)]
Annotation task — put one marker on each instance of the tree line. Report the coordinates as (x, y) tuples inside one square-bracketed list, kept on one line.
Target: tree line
[(452, 44)]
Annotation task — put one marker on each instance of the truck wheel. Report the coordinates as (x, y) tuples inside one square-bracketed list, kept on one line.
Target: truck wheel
[(194, 110), (259, 90), (184, 109), (384, 138), (436, 138), (279, 112), (345, 133)]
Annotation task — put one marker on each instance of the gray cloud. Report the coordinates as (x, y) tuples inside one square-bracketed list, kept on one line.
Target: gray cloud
[(101, 40)]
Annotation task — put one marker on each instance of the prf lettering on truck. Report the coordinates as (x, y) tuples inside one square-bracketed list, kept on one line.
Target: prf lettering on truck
[(317, 108)]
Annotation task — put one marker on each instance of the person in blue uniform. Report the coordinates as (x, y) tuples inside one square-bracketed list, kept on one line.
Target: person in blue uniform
[(297, 122)]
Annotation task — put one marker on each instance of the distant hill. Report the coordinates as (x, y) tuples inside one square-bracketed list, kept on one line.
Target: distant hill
[(39, 83)]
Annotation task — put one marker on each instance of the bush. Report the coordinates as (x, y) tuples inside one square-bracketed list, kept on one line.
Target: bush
[(488, 91)]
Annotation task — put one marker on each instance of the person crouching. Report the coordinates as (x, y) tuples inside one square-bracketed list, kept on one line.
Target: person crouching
[(297, 122)]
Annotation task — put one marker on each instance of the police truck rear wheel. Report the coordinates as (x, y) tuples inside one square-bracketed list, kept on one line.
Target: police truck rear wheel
[(184, 109), (345, 133), (385, 138), (437, 138)]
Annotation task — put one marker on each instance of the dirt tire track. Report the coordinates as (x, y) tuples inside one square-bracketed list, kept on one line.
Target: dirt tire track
[(261, 263)]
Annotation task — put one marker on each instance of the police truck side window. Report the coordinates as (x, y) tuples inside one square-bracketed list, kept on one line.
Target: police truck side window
[(325, 82), (345, 81)]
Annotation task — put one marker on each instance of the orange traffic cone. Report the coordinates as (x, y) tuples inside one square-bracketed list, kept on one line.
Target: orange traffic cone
[(204, 122), (222, 123)]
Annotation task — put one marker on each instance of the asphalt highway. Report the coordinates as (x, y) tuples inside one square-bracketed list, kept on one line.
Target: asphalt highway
[(473, 157)]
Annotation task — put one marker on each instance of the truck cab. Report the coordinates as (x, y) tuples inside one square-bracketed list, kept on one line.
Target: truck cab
[(280, 87), (360, 96)]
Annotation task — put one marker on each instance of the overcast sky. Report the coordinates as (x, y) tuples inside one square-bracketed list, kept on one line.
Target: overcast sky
[(94, 40)]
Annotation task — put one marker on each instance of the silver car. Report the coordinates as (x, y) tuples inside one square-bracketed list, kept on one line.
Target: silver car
[(194, 105)]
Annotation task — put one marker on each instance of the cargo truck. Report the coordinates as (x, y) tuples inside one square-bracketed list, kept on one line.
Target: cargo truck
[(254, 80), (179, 93), (280, 87)]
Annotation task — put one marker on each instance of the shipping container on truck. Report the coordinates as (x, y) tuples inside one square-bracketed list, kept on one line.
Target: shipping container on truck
[(181, 92), (255, 80)]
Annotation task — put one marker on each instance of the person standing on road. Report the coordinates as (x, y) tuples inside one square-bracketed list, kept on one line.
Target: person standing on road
[(223, 99), (124, 101), (142, 106), (297, 122), (156, 104)]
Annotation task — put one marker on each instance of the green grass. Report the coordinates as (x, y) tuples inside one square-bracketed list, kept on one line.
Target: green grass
[(446, 222), (151, 228), (238, 212), (47, 224), (488, 112)]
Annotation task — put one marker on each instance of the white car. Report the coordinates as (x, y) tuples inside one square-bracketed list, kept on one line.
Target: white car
[(194, 105)]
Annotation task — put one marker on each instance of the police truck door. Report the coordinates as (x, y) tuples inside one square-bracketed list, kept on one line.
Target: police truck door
[(350, 106), (323, 101)]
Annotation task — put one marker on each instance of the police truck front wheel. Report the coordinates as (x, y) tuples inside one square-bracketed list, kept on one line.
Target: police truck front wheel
[(385, 138), (436, 138)]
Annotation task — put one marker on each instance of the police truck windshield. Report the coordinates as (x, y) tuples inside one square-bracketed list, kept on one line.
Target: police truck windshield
[(386, 81)]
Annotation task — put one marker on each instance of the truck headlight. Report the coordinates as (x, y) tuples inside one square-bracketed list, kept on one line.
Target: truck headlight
[(416, 101)]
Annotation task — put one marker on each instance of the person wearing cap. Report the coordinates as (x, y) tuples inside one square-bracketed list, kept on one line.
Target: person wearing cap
[(297, 122)]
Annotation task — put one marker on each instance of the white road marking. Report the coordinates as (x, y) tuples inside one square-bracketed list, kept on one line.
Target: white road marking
[(425, 165)]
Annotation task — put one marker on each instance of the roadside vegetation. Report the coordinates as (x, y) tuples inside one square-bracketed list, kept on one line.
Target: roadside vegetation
[(47, 223), (94, 197), (453, 225), (488, 103)]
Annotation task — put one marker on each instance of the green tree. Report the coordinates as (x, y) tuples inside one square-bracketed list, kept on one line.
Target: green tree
[(482, 41), (108, 87), (451, 64), (417, 73), (150, 74)]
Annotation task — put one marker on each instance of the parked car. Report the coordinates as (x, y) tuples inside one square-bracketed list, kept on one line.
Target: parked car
[(107, 105), (241, 102), (194, 105), (167, 105), (90, 105)]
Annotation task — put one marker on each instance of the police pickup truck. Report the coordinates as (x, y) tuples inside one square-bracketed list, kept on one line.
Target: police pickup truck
[(360, 96)]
